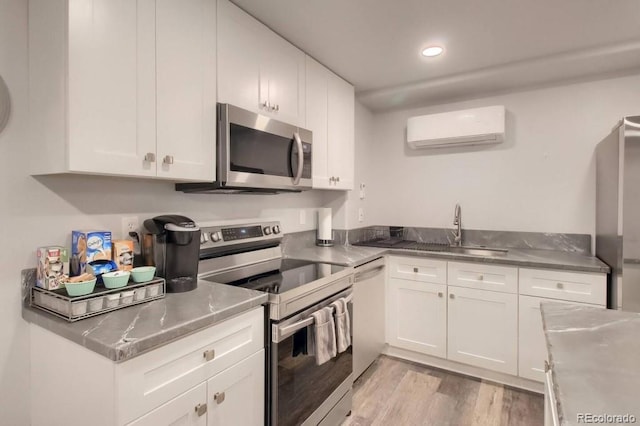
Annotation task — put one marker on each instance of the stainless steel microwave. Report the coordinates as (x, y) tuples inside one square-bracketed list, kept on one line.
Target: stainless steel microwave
[(256, 153)]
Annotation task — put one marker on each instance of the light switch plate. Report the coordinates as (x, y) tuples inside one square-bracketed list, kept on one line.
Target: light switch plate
[(129, 224), (303, 217), (360, 214)]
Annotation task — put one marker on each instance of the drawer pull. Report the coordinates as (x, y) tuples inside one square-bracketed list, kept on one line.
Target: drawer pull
[(219, 397), (209, 355), (415, 270), (150, 157), (168, 159), (560, 286), (201, 409), (440, 294), (480, 277), (452, 296)]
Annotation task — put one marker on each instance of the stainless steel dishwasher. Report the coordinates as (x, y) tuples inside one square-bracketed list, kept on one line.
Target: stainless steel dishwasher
[(368, 314)]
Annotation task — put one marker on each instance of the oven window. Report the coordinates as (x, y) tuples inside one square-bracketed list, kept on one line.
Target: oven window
[(302, 386), (254, 151)]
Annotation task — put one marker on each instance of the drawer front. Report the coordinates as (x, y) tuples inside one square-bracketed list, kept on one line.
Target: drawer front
[(571, 286), (152, 379), (484, 277), (417, 269)]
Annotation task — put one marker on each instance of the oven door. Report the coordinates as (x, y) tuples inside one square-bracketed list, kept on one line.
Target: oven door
[(300, 390), (256, 151)]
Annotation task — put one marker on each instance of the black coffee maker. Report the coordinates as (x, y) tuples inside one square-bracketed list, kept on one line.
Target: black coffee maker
[(172, 244)]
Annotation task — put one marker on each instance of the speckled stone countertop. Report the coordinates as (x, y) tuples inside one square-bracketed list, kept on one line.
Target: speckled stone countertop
[(123, 334), (348, 255), (594, 354)]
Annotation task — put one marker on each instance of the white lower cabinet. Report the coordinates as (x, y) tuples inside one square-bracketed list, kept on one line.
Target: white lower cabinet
[(228, 398), (211, 377), (483, 329), (233, 395), (489, 316), (183, 410), (417, 316)]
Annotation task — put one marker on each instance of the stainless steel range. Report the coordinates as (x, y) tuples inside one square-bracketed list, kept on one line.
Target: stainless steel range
[(249, 255)]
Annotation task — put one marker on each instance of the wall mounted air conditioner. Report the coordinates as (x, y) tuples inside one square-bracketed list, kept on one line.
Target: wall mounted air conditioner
[(467, 127)]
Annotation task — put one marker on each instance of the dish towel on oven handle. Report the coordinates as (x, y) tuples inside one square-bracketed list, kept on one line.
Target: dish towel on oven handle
[(343, 324), (324, 336)]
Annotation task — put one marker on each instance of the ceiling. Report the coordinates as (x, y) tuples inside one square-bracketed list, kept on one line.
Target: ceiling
[(490, 45)]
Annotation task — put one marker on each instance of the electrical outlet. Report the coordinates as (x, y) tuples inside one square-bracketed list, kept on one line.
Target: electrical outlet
[(360, 214), (129, 224), (362, 191)]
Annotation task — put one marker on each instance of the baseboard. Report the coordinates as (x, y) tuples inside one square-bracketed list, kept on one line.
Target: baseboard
[(468, 370)]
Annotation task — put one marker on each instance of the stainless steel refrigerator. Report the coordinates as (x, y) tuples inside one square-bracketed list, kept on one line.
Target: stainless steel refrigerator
[(618, 212)]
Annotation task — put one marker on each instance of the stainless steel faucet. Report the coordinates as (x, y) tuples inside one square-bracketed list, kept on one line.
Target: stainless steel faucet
[(457, 220)]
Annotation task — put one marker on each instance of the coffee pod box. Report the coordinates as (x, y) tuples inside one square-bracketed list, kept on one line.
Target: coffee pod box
[(53, 264), (88, 246), (123, 254)]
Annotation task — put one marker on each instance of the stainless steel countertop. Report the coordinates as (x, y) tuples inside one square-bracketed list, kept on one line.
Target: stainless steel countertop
[(123, 334), (594, 354), (348, 255)]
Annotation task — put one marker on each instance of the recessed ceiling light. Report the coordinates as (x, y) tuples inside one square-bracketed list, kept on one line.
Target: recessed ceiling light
[(432, 51)]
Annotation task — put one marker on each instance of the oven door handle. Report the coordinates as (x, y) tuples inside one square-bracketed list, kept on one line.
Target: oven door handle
[(296, 179), (282, 332)]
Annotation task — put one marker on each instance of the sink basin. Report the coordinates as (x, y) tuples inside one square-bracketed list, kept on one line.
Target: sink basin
[(478, 251)]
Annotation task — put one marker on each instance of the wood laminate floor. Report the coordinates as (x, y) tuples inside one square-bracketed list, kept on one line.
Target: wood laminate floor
[(396, 392)]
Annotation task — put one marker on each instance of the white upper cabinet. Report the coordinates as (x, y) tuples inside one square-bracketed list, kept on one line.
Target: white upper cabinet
[(186, 88), (330, 109), (117, 85), (257, 69)]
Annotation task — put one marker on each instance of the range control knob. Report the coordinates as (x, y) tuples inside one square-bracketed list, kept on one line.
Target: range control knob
[(276, 229), (204, 237), (267, 230), (215, 237)]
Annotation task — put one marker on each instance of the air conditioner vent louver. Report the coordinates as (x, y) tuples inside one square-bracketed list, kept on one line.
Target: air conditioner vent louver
[(457, 128)]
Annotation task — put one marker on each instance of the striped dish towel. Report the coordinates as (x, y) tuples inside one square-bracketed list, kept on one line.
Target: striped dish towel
[(324, 335)]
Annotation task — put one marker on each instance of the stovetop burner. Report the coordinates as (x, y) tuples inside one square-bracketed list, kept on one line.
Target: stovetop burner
[(291, 274)]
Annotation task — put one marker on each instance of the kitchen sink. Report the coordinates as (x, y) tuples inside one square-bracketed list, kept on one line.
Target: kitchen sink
[(477, 251)]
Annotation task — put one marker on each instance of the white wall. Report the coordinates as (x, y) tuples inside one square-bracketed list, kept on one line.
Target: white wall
[(44, 210), (541, 179)]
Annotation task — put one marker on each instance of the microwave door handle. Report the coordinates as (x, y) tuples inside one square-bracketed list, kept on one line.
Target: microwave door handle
[(296, 179)]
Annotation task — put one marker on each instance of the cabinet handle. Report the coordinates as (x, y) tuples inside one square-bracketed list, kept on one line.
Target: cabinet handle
[(415, 270), (546, 366), (265, 105), (452, 296), (338, 179), (201, 409), (480, 277), (168, 159), (440, 294), (150, 157), (276, 108), (209, 355), (219, 397), (560, 286)]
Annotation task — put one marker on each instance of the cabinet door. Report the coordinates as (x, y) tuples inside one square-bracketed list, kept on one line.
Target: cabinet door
[(238, 57), (111, 84), (180, 411), (483, 329), (317, 110), (282, 70), (341, 116), (186, 89), (417, 316), (236, 396), (532, 348)]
